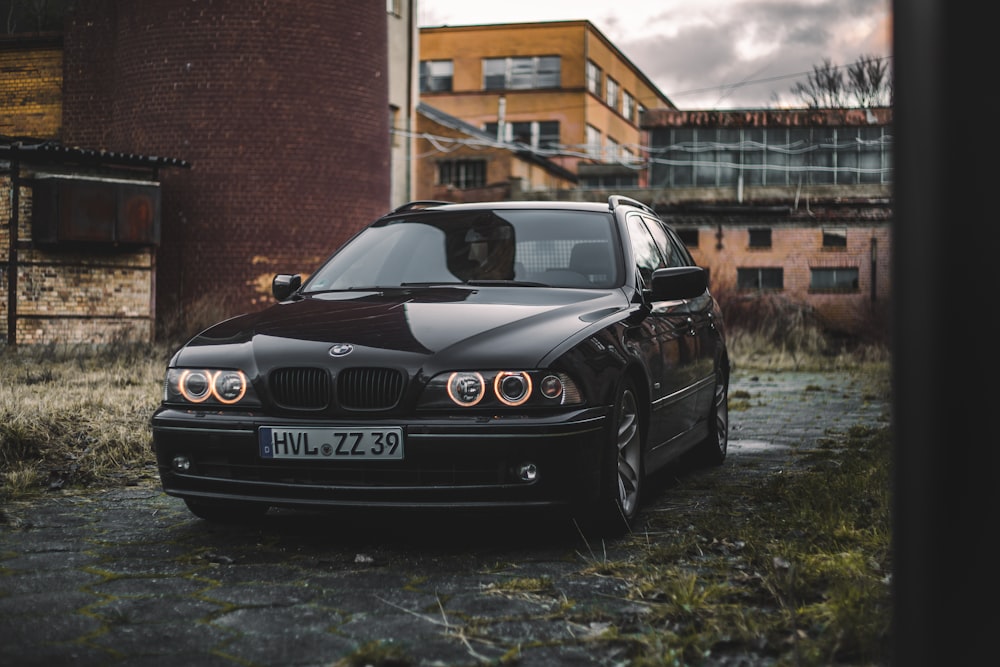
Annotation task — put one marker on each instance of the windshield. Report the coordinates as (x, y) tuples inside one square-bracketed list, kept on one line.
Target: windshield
[(530, 247)]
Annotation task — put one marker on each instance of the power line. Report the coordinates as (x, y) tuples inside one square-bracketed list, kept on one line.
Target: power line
[(750, 82)]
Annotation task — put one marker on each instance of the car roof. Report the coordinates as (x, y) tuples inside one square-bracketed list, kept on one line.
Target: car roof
[(600, 207)]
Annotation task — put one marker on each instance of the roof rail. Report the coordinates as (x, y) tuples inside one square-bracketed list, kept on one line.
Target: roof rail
[(418, 204), (621, 200)]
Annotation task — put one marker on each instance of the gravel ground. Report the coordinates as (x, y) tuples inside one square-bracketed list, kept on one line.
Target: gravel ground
[(126, 576)]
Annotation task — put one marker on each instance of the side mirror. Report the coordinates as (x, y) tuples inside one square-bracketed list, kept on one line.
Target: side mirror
[(679, 282), (283, 285)]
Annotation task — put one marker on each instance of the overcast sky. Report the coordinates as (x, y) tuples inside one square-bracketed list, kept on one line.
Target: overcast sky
[(708, 54)]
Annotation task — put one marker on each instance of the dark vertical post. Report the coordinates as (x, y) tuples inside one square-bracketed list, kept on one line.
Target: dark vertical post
[(15, 206), (945, 361), (874, 269)]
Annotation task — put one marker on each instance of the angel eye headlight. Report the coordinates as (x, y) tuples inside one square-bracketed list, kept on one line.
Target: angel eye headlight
[(208, 386), (229, 386), (512, 388), (195, 386), (466, 388)]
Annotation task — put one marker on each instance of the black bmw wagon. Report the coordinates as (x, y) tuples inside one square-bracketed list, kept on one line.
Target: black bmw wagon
[(532, 355)]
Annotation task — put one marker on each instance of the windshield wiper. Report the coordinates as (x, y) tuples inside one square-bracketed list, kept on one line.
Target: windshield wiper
[(511, 283), (434, 283)]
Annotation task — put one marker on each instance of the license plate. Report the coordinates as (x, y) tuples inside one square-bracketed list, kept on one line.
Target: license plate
[(278, 442)]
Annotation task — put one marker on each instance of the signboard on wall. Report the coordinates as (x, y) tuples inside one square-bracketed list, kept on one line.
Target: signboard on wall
[(75, 210)]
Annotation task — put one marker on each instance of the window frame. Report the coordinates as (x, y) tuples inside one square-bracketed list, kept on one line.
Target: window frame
[(849, 282), (522, 72), (593, 75), (612, 92), (773, 276), (628, 106), (759, 238), (835, 238), (465, 174), (426, 76)]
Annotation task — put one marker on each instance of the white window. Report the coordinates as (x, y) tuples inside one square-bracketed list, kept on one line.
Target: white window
[(593, 78), (612, 150), (521, 73), (593, 140), (612, 92), (539, 134), (628, 106), (435, 75)]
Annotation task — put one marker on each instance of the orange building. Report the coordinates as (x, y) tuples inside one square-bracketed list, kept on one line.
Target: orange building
[(558, 88), (470, 166)]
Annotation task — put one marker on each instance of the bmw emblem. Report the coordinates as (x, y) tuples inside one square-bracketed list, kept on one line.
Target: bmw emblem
[(341, 349)]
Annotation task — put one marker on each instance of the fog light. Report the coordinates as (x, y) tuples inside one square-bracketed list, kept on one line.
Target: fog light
[(181, 463), (527, 472)]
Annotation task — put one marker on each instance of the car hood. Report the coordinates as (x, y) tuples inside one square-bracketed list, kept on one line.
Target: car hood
[(439, 327)]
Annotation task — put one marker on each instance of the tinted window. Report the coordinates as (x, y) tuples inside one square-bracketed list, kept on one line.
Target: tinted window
[(556, 248)]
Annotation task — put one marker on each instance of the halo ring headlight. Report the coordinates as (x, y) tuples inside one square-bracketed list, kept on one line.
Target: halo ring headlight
[(229, 386), (195, 385), (466, 388), (512, 388)]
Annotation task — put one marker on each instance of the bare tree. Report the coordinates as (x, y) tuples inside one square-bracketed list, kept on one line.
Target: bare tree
[(870, 81), (868, 84)]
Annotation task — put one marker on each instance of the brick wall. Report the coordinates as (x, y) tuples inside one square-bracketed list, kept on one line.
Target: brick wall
[(281, 107), (31, 87), (73, 295), (797, 250)]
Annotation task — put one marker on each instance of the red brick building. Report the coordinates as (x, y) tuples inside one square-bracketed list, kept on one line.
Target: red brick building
[(272, 105)]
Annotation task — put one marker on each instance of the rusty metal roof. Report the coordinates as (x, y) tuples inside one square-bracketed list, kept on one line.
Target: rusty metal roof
[(46, 151)]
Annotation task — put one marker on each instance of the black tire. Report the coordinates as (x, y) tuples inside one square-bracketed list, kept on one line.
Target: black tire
[(624, 468), (713, 449), (225, 511)]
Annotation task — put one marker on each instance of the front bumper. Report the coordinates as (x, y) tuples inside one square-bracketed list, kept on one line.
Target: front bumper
[(462, 463)]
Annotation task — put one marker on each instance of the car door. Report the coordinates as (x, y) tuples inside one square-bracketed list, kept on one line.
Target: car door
[(665, 341), (702, 337)]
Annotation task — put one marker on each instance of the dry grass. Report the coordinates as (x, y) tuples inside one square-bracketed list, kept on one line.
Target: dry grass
[(76, 416)]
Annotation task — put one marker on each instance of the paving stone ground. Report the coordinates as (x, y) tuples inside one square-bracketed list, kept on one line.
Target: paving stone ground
[(127, 576)]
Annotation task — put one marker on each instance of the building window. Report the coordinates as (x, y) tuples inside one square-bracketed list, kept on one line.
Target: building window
[(835, 237), (612, 151), (462, 174), (615, 181), (689, 235), (760, 278), (834, 280), (720, 157), (521, 73), (394, 7), (612, 92), (628, 106), (593, 78), (435, 75), (593, 142), (760, 237), (540, 135)]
